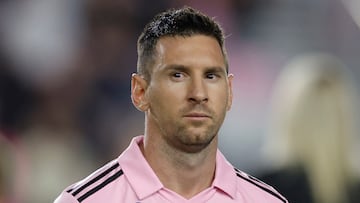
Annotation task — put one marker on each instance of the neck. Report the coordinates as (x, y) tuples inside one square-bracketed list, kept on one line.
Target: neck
[(182, 172)]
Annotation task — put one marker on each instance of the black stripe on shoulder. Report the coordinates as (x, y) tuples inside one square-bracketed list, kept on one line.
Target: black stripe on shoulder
[(259, 184), (103, 184), (92, 181)]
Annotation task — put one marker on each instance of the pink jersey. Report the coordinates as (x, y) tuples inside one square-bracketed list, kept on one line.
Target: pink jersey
[(130, 179)]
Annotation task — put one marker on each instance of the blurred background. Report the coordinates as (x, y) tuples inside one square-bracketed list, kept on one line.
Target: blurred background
[(65, 68)]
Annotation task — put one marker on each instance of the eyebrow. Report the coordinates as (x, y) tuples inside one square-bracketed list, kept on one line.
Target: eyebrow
[(176, 67), (182, 68)]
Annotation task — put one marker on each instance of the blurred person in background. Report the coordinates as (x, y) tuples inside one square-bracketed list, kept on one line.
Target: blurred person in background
[(184, 88), (41, 87), (312, 132)]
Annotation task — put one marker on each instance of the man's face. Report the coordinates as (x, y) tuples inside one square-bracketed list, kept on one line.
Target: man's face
[(189, 92)]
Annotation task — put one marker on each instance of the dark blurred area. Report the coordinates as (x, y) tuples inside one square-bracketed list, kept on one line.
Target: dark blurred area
[(65, 69)]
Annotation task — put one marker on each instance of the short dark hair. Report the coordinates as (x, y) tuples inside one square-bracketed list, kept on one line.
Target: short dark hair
[(185, 21)]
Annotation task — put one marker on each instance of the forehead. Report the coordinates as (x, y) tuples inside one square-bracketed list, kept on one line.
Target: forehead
[(190, 51)]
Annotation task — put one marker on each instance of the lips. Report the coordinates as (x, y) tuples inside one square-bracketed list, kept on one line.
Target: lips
[(197, 115)]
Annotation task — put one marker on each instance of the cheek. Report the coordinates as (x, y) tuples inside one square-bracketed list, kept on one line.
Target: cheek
[(220, 94), (173, 92), (164, 100)]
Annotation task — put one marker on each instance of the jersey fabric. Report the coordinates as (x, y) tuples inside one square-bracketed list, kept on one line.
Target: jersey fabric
[(130, 179)]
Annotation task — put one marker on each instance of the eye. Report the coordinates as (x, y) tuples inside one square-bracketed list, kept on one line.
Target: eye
[(177, 75), (211, 76)]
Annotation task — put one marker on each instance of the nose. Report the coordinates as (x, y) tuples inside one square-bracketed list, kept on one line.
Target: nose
[(198, 91)]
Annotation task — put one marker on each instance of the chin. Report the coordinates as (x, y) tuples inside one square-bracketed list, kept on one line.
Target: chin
[(197, 143), (193, 149)]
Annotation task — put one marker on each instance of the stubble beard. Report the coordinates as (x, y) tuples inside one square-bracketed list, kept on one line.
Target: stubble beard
[(191, 137), (185, 138)]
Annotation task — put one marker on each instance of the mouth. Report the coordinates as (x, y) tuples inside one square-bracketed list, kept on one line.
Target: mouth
[(197, 116)]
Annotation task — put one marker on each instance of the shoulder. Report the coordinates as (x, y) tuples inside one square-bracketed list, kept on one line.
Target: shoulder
[(256, 190), (93, 185)]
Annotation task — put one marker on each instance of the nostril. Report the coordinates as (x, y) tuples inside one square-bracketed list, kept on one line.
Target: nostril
[(198, 100)]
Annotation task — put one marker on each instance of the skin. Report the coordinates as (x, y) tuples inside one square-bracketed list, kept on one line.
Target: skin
[(185, 104)]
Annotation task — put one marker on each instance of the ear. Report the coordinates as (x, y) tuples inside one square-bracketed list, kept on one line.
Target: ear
[(138, 92), (230, 98)]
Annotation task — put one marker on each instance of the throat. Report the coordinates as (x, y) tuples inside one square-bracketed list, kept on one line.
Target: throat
[(188, 180), (186, 173)]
